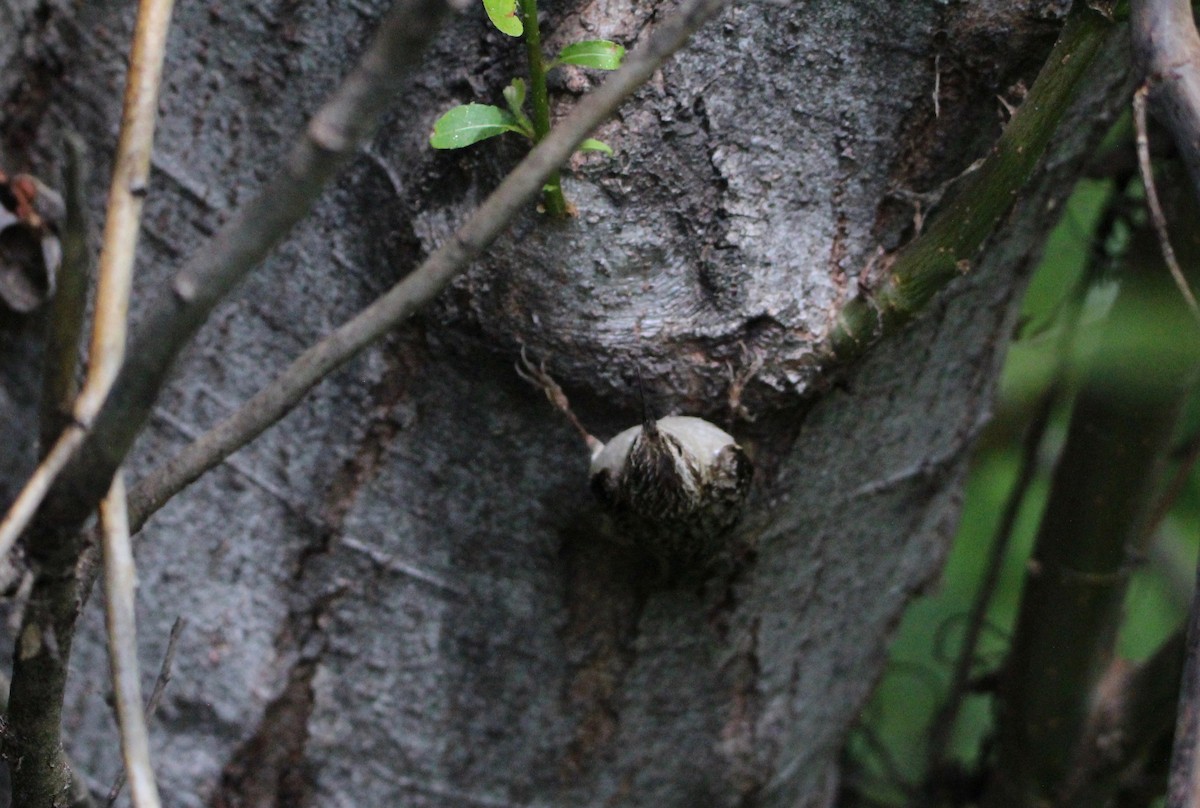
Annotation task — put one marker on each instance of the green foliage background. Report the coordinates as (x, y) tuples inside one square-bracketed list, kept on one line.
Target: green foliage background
[(886, 755)]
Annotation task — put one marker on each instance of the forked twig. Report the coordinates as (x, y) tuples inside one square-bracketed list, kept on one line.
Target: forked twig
[(539, 378)]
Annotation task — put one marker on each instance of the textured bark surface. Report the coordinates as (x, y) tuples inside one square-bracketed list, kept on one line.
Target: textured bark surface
[(403, 595)]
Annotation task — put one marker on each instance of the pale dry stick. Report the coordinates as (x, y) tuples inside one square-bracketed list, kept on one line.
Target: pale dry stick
[(120, 580), (1157, 217), (131, 174), (427, 281), (160, 687)]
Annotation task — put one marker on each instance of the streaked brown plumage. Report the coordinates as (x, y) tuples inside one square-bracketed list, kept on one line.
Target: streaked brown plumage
[(678, 485)]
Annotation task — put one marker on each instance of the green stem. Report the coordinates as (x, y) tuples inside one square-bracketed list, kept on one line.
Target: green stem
[(539, 100), (949, 246)]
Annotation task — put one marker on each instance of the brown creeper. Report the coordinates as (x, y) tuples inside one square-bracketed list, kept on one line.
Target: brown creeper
[(682, 476), (677, 484)]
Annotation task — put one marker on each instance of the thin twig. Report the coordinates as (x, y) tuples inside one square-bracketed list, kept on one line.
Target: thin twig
[(166, 669), (1175, 486), (1156, 212), (37, 486), (64, 322), (1166, 53), (1166, 50), (428, 280), (120, 579), (126, 197), (131, 175), (160, 687), (942, 728), (541, 379)]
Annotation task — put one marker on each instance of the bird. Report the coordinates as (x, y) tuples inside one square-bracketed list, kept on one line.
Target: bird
[(676, 485)]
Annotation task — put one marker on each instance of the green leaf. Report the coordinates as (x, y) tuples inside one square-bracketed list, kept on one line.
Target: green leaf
[(597, 53), (503, 14), (469, 124), (591, 144)]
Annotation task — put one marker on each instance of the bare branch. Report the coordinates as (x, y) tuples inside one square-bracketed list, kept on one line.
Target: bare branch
[(40, 662), (165, 670), (428, 280), (26, 505), (120, 579), (126, 197), (329, 141)]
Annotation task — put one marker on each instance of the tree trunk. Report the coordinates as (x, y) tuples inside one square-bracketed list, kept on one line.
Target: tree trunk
[(404, 594)]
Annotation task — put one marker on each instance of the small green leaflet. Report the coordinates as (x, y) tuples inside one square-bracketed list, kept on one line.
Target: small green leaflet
[(469, 124), (591, 144), (596, 53), (503, 14), (514, 96)]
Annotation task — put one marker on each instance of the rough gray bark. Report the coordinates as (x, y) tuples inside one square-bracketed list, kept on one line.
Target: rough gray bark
[(401, 595)]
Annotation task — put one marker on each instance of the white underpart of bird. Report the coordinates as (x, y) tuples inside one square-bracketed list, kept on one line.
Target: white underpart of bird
[(701, 439)]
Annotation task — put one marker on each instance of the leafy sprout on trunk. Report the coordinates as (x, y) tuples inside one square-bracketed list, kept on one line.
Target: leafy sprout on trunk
[(471, 123)]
